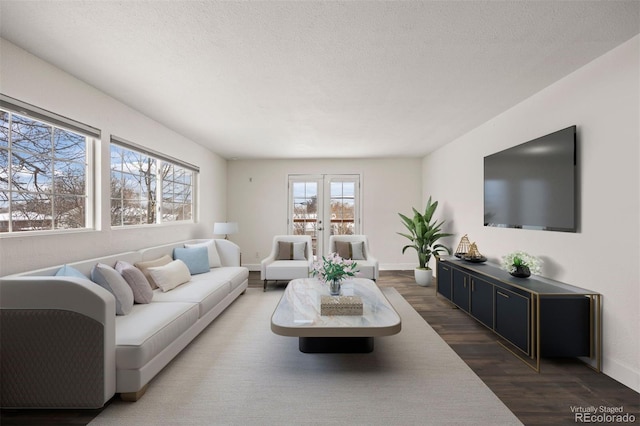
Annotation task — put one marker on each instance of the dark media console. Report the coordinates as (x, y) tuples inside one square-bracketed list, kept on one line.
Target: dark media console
[(537, 317)]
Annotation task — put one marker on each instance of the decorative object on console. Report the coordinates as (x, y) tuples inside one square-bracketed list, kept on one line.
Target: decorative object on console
[(225, 228), (474, 255), (521, 264), (333, 269), (463, 246), (424, 234)]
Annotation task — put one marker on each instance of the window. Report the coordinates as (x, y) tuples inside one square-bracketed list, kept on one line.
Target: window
[(44, 178), (148, 188)]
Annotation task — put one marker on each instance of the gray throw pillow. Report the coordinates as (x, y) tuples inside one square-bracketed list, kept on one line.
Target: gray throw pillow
[(107, 277), (142, 292)]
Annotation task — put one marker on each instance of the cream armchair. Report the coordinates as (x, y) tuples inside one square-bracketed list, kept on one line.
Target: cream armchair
[(356, 248), (291, 257)]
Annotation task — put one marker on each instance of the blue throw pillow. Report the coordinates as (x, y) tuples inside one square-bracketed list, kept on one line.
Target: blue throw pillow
[(196, 258), (69, 271)]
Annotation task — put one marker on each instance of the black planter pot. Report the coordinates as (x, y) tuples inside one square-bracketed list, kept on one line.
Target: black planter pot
[(521, 272)]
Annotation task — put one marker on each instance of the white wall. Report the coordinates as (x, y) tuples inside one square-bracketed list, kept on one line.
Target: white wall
[(29, 79), (257, 200), (602, 99)]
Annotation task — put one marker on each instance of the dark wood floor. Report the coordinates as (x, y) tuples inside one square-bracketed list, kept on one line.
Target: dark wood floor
[(544, 398)]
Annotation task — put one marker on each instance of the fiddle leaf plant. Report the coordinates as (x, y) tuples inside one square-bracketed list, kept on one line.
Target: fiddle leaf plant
[(424, 234)]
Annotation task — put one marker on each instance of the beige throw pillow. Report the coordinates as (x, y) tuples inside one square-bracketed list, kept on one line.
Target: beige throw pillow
[(170, 275), (144, 267)]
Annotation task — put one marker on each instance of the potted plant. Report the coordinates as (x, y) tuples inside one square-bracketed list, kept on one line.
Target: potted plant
[(424, 235), (521, 264)]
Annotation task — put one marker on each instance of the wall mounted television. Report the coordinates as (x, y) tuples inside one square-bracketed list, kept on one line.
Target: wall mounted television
[(534, 185)]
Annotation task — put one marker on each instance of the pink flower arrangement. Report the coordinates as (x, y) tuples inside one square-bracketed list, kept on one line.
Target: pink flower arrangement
[(334, 268)]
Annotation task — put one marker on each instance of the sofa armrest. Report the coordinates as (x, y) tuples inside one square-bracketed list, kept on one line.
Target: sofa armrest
[(57, 344), (229, 252)]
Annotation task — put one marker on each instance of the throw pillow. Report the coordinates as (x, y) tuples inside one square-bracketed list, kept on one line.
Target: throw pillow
[(291, 251), (212, 251), (299, 251), (144, 267), (350, 250), (69, 271), (343, 248), (142, 292), (196, 259), (170, 275), (107, 277), (357, 250)]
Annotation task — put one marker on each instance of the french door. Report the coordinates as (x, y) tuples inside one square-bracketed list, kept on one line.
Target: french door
[(323, 205)]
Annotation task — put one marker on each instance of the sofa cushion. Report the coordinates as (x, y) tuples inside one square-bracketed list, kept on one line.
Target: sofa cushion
[(212, 251), (149, 329), (107, 277), (171, 275), (142, 292), (144, 267), (287, 270), (196, 258), (202, 290), (235, 275)]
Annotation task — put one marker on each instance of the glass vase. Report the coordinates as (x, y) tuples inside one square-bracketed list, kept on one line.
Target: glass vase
[(334, 287)]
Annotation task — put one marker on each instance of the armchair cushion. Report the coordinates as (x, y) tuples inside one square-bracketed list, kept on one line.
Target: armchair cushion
[(350, 250), (291, 251)]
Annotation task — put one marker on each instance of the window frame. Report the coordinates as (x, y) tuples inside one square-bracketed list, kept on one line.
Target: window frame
[(159, 182), (14, 107)]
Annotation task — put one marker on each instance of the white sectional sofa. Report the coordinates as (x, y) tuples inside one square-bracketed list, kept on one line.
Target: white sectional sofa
[(62, 345)]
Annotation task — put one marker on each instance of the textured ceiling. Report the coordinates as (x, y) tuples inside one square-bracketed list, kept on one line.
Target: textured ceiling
[(338, 79)]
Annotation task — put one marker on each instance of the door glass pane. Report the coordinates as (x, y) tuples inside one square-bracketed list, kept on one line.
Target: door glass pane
[(342, 208), (305, 210)]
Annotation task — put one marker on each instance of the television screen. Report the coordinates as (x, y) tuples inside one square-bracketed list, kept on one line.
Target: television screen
[(533, 185)]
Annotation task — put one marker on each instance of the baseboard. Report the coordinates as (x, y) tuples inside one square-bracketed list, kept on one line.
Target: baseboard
[(383, 267), (622, 373)]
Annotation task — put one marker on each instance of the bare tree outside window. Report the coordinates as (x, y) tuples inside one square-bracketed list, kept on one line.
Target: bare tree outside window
[(43, 175), (146, 190)]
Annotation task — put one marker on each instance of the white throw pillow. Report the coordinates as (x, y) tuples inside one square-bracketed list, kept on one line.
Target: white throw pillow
[(299, 251), (357, 250), (214, 257), (170, 275)]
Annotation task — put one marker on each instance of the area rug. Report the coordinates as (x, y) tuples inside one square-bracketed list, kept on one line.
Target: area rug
[(237, 372)]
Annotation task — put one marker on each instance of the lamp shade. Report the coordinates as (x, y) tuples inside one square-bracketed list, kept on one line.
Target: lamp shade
[(225, 228)]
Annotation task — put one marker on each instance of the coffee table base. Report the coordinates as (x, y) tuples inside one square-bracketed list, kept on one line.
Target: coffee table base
[(335, 345)]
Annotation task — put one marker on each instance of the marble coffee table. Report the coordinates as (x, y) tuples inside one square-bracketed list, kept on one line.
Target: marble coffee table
[(298, 315)]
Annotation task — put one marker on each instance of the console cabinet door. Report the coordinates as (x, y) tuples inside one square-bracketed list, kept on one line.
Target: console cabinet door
[(461, 286), (512, 318), (444, 280), (482, 301)]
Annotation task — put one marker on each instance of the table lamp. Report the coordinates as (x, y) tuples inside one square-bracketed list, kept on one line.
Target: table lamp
[(226, 228)]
